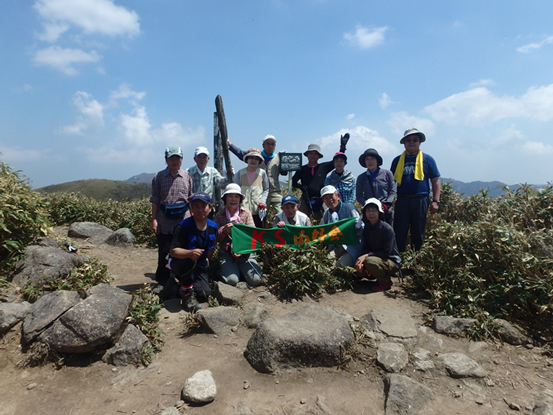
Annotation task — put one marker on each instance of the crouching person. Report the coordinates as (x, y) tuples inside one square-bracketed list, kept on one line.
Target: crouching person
[(346, 255), (290, 214), (235, 267), (379, 258), (190, 250)]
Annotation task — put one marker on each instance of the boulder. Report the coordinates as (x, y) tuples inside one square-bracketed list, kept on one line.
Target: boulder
[(311, 336), (85, 230), (128, 349), (11, 314), (200, 388), (396, 325), (509, 333), (93, 322), (392, 357), (452, 325), (121, 237), (405, 396), (219, 320), (459, 365), (45, 263), (227, 294), (45, 311)]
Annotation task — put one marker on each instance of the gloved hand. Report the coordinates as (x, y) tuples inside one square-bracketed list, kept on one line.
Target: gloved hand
[(343, 141), (358, 223), (385, 207)]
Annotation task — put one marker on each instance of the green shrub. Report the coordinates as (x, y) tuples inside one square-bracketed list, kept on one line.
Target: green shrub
[(67, 208), (307, 270), (22, 216), (491, 257)]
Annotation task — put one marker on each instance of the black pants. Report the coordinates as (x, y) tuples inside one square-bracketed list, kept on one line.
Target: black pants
[(163, 243), (190, 273), (410, 216)]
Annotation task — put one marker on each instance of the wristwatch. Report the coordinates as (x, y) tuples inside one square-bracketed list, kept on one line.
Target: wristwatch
[(436, 201)]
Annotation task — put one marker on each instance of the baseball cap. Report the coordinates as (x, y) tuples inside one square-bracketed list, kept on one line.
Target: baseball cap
[(203, 196), (289, 199), (269, 137), (328, 190), (173, 151), (201, 150)]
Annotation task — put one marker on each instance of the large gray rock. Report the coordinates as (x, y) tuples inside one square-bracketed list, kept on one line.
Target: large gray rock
[(309, 337), (11, 314), (452, 325), (128, 349), (509, 333), (46, 263), (85, 230), (45, 311), (459, 365), (405, 396), (200, 388), (121, 237), (395, 325), (91, 323), (219, 320), (392, 357), (227, 294)]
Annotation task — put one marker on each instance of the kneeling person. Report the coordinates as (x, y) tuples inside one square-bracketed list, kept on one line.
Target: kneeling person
[(190, 251), (290, 214), (338, 210), (380, 256)]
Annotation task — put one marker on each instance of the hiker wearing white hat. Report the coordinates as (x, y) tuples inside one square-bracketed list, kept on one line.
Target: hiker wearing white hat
[(205, 178), (255, 185), (271, 164), (235, 267), (311, 178), (414, 172), (346, 255), (171, 192), (379, 257)]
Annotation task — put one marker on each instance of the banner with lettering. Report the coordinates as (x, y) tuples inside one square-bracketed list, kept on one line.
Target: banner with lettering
[(246, 239)]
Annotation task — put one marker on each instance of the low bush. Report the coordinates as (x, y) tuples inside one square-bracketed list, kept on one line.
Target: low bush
[(67, 208), (491, 258), (292, 273), (22, 217)]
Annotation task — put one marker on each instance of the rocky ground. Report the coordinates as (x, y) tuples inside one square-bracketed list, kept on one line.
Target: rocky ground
[(517, 377)]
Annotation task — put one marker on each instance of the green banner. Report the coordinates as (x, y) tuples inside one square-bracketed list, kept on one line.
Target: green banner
[(246, 239)]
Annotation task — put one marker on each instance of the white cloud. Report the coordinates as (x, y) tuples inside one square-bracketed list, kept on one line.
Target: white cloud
[(482, 82), (11, 154), (365, 38), (384, 100), (92, 16), (64, 59), (350, 116), (125, 92), (92, 114), (535, 148), (402, 121), (479, 105), (530, 47), (136, 128)]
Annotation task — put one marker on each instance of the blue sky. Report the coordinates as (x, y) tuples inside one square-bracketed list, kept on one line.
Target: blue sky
[(98, 88)]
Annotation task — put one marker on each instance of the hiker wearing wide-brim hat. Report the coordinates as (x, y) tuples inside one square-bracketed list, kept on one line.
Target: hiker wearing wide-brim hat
[(271, 164), (415, 173), (235, 267), (311, 177), (376, 182), (254, 183), (341, 178), (379, 257)]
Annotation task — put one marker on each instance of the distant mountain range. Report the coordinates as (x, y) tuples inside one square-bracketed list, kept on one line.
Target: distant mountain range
[(139, 186)]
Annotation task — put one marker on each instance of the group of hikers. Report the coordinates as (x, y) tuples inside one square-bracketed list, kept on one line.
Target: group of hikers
[(394, 204)]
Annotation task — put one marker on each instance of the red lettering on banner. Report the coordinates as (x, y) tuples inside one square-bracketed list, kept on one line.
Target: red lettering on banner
[(280, 238), (257, 235)]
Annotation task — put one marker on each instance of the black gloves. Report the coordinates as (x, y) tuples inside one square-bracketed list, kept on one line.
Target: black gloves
[(343, 141)]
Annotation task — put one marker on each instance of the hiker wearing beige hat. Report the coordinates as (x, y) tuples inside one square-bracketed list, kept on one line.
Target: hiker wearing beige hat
[(254, 183), (416, 175), (271, 164), (311, 178)]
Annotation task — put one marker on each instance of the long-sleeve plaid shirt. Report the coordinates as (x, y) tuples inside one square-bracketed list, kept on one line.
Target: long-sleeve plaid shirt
[(208, 182)]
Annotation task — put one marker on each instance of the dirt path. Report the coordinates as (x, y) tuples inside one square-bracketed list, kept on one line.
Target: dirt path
[(516, 375)]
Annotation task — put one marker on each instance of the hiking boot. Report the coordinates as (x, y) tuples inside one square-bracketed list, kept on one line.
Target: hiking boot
[(189, 301), (376, 287)]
